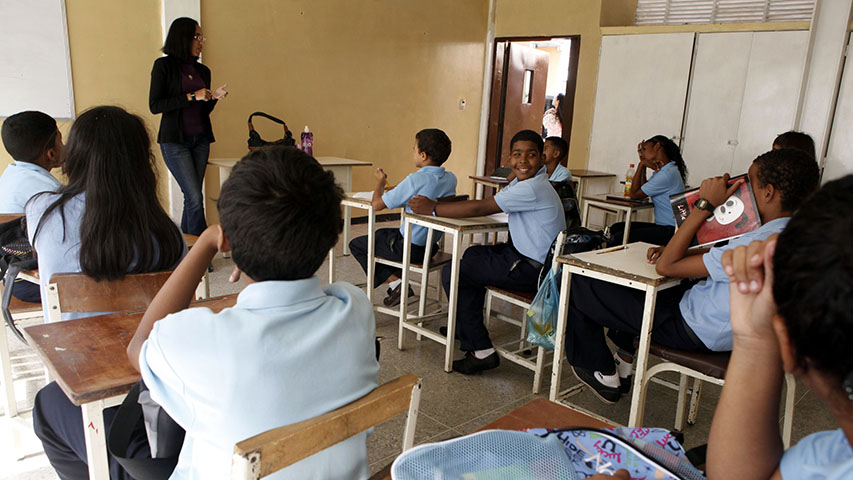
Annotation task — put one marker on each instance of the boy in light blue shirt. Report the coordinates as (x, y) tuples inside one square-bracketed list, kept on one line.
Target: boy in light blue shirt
[(35, 143), (691, 316), (432, 148), (289, 350), (554, 153), (535, 218)]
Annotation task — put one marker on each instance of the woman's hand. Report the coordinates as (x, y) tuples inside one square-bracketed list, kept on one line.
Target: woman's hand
[(220, 92), (654, 254), (422, 205), (717, 190), (202, 94), (750, 271)]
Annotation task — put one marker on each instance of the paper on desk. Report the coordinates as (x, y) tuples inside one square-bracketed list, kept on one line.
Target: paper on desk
[(502, 217), (363, 195)]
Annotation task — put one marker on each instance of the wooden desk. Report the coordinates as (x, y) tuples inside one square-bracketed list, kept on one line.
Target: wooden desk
[(457, 228), (538, 413), (492, 182), (347, 202), (624, 207), (88, 359), (340, 167), (626, 266), (591, 182)]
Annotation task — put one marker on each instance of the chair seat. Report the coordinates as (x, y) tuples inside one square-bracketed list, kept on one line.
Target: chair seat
[(17, 307), (713, 364), (526, 297), (438, 260)]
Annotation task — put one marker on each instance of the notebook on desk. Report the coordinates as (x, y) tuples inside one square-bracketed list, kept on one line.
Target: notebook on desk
[(500, 173)]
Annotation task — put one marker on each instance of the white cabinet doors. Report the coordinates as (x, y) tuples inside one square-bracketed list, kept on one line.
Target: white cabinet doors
[(641, 91), (744, 91), (839, 154)]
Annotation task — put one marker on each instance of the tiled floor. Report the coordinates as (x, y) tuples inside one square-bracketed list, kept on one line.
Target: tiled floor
[(451, 404)]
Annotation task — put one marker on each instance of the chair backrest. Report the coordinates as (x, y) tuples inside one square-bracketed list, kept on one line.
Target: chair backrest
[(77, 292), (452, 198), (558, 249), (570, 203), (270, 451)]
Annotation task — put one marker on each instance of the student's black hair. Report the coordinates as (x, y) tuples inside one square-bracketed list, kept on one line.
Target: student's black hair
[(672, 152), (793, 139), (435, 143), (179, 40), (529, 136), (813, 279), (560, 144), (124, 229), (281, 213), (559, 112), (26, 135), (793, 173)]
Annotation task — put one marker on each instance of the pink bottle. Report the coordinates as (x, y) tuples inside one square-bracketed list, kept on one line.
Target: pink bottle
[(308, 141)]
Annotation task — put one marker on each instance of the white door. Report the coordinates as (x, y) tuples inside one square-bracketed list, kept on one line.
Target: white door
[(839, 154), (641, 91)]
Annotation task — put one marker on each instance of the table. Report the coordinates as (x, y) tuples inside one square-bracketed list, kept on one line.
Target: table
[(88, 359), (492, 182), (538, 413), (351, 201), (591, 182), (625, 208), (340, 167), (626, 266), (457, 228)]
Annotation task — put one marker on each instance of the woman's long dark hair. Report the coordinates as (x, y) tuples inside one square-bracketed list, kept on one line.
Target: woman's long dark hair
[(108, 157), (179, 40), (670, 149)]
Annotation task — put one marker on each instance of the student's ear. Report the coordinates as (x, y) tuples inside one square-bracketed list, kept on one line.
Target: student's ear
[(786, 349), (222, 242)]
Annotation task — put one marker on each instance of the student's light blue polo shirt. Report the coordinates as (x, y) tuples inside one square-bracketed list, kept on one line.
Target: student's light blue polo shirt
[(821, 455), (430, 181), (535, 215), (20, 181), (705, 307), (560, 174), (286, 352), (665, 182)]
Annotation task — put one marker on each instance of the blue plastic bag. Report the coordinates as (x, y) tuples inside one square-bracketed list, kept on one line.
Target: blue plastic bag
[(542, 314)]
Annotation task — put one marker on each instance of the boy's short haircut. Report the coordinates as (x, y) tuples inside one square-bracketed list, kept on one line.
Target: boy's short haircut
[(435, 144), (529, 136), (793, 173), (560, 144), (26, 135), (813, 279), (281, 213), (799, 140)]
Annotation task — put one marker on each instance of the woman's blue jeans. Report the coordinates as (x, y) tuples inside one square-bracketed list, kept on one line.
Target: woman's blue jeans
[(187, 162)]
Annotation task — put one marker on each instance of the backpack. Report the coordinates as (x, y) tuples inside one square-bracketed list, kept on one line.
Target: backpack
[(578, 240), (571, 210), (16, 254)]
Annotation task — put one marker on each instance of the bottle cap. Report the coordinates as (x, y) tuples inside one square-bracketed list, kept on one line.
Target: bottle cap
[(632, 165), (306, 129)]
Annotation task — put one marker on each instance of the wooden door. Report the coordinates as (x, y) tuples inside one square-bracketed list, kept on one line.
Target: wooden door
[(518, 92)]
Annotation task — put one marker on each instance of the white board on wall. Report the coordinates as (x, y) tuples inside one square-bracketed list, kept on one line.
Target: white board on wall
[(35, 61)]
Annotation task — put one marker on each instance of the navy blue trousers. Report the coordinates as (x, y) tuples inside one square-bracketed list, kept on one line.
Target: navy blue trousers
[(388, 244)]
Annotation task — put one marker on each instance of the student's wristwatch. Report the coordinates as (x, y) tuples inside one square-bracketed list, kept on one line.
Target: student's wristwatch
[(704, 204), (192, 96)]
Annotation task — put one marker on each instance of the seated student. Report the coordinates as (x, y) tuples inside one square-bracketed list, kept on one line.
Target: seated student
[(662, 155), (691, 316), (35, 143), (431, 149), (535, 219), (107, 222), (555, 152), (792, 139), (791, 310)]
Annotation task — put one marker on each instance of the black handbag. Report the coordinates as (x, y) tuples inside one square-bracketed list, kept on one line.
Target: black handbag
[(255, 140), (16, 254)]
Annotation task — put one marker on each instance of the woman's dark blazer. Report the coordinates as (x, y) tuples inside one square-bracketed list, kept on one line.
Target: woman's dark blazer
[(165, 97)]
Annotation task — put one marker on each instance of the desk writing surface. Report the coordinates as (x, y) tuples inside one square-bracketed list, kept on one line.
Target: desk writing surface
[(8, 217), (88, 356), (491, 180), (324, 161), (602, 198), (589, 173), (628, 261), (466, 223), (543, 413)]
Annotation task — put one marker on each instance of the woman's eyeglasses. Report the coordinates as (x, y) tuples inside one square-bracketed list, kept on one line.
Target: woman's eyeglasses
[(200, 38)]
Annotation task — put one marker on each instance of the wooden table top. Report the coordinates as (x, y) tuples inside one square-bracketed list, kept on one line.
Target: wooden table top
[(627, 261), (489, 180), (590, 173), (87, 356), (8, 217), (620, 201), (498, 221), (539, 413), (324, 161)]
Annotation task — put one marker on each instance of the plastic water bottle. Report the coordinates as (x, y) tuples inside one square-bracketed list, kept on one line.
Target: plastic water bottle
[(308, 141), (629, 179)]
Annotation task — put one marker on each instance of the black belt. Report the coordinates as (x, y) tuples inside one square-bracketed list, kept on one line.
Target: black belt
[(530, 261)]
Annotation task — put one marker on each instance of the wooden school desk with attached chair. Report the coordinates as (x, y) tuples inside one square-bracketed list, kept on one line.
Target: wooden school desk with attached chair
[(624, 208)]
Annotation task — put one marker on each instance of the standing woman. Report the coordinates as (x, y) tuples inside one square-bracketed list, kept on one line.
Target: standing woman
[(552, 120), (180, 90)]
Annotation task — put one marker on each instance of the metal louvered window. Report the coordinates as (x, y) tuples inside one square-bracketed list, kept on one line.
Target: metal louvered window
[(676, 12)]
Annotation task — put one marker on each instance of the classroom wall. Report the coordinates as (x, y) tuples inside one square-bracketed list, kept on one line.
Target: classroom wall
[(364, 76)]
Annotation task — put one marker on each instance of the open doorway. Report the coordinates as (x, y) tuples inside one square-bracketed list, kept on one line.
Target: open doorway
[(528, 75)]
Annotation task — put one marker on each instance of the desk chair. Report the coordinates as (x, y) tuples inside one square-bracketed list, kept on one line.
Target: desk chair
[(77, 292), (522, 299), (270, 451), (424, 268), (708, 367), (18, 310)]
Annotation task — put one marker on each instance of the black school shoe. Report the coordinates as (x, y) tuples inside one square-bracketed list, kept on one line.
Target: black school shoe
[(625, 384), (471, 364), (392, 298), (608, 395)]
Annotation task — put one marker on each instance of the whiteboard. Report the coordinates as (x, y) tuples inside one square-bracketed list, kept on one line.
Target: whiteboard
[(35, 62), (839, 154), (641, 91)]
